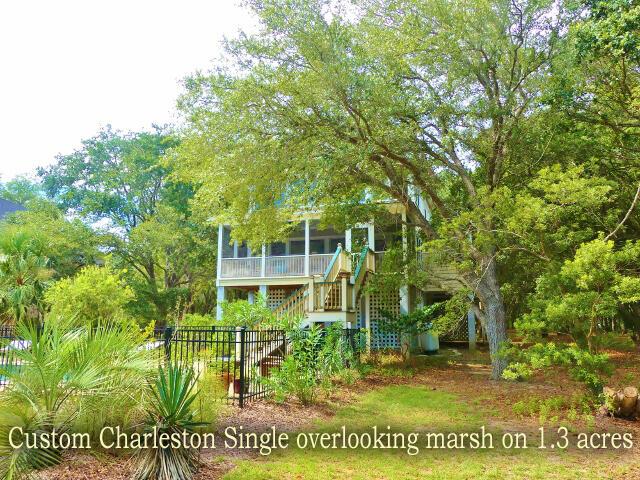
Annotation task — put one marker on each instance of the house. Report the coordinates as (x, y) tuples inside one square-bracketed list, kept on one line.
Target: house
[(319, 274), (7, 207)]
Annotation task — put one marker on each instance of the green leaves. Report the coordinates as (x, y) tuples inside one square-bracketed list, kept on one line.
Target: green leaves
[(172, 413)]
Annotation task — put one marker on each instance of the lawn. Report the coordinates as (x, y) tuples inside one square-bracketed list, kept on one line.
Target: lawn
[(416, 408)]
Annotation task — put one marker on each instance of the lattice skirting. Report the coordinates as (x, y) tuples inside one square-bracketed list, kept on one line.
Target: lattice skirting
[(275, 296), (390, 303)]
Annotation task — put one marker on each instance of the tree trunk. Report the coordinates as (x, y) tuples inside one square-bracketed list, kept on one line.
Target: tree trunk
[(494, 323)]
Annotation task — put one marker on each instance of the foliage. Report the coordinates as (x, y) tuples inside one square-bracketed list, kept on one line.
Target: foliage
[(69, 377), (197, 320), (552, 409), (96, 295), (20, 190), (119, 183), (316, 356), (585, 367), (24, 276), (241, 313), (69, 244), (585, 295), (172, 414)]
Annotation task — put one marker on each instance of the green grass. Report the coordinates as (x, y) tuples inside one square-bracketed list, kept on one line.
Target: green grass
[(419, 409)]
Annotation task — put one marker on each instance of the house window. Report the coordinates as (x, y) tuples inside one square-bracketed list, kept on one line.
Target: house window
[(316, 246), (243, 251), (278, 249), (296, 247), (333, 244)]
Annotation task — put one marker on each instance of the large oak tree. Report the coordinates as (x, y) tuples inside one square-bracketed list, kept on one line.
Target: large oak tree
[(329, 101)]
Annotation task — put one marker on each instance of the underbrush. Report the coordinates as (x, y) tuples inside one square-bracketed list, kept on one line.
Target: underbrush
[(556, 408)]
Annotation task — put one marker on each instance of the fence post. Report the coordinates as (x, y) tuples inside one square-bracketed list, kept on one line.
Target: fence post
[(243, 337), (168, 335)]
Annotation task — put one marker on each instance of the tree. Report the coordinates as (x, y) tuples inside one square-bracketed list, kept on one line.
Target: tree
[(390, 98), (69, 244), (95, 295), (24, 276), (20, 190), (120, 184), (584, 297)]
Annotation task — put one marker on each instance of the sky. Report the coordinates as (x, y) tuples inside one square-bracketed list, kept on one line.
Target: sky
[(68, 68)]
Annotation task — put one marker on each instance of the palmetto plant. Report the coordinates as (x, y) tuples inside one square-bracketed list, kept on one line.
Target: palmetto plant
[(24, 275), (62, 377), (172, 413)]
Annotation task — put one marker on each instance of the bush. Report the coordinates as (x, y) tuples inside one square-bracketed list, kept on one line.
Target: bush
[(172, 413), (583, 366), (316, 357), (94, 295), (70, 378), (197, 320), (241, 313)]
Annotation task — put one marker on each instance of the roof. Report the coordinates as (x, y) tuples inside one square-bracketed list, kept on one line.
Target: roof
[(7, 207)]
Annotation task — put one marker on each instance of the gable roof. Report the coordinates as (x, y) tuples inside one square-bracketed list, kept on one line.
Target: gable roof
[(7, 207)]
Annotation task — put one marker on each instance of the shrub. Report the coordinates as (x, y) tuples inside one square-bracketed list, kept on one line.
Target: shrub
[(316, 356), (197, 320), (172, 413), (583, 366), (70, 378), (241, 313), (95, 294)]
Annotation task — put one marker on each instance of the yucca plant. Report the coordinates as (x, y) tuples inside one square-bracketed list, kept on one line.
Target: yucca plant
[(172, 413), (61, 378)]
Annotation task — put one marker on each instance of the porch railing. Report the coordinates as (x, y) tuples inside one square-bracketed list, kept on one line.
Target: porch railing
[(280, 266)]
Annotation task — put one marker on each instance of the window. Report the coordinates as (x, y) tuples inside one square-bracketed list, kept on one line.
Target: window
[(333, 244), (296, 247), (316, 246), (277, 249)]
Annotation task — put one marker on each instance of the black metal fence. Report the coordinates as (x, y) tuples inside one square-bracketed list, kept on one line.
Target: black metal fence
[(233, 362), (7, 351), (236, 362)]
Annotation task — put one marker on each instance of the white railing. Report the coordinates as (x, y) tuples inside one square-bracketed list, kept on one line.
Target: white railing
[(241, 267), (285, 266), (319, 263), (280, 266)]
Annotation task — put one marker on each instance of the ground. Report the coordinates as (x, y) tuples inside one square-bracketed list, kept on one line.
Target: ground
[(451, 392)]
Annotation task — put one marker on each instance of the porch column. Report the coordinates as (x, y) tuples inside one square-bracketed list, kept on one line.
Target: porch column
[(263, 262), (220, 240), (235, 249), (220, 299), (264, 291), (347, 240), (307, 245), (371, 237), (251, 297), (471, 325)]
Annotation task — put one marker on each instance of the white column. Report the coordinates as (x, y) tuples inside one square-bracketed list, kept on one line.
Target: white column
[(371, 237), (471, 325), (264, 291), (220, 299), (307, 245), (235, 249), (263, 262), (347, 240), (220, 240), (251, 297), (404, 299), (345, 300)]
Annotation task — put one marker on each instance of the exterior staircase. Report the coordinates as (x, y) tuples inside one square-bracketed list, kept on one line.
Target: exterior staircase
[(337, 290)]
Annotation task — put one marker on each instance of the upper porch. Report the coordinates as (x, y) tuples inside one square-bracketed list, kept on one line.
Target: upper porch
[(308, 251)]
